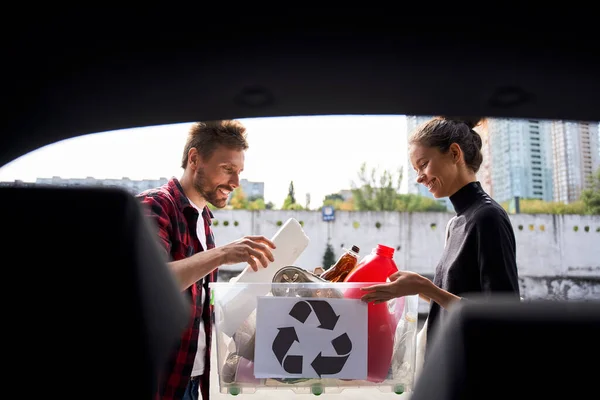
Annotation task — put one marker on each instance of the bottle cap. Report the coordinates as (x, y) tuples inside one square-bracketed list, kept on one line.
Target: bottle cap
[(355, 249), (384, 250)]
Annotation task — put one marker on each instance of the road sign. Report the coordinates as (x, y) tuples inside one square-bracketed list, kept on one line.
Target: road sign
[(328, 213)]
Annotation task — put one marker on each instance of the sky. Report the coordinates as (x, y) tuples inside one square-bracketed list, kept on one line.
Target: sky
[(320, 154)]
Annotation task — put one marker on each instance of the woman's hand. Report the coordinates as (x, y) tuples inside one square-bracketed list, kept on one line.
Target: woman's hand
[(403, 283)]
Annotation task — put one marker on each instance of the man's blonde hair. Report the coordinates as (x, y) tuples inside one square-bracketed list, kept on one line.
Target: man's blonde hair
[(207, 136)]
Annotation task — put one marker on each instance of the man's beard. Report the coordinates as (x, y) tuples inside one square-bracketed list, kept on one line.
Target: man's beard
[(211, 196)]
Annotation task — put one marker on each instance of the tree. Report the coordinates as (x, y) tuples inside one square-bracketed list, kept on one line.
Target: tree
[(295, 206), (336, 200), (376, 193), (347, 205), (328, 257), (340, 204), (417, 203), (333, 197), (292, 193), (290, 201), (258, 204), (538, 206), (381, 192), (238, 199), (591, 196)]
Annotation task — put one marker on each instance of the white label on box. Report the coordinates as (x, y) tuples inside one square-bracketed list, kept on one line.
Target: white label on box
[(310, 337)]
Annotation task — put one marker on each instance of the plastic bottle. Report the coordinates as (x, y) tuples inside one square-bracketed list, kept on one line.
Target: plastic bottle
[(376, 268), (344, 265), (404, 356)]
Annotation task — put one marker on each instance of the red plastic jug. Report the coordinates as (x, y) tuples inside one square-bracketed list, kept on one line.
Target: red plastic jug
[(376, 267)]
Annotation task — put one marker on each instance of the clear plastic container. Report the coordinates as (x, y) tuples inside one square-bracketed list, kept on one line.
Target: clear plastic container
[(244, 354)]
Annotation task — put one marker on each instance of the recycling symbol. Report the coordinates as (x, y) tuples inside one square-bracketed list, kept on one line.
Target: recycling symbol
[(323, 365)]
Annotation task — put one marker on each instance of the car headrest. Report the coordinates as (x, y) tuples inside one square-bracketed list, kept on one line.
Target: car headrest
[(494, 348), (93, 307)]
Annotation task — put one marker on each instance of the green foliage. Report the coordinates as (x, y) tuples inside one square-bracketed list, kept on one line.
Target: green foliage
[(588, 203), (290, 201), (376, 192), (590, 197), (258, 204), (328, 257), (418, 203), (238, 199), (338, 204), (292, 193), (380, 192), (333, 197), (537, 206), (295, 206)]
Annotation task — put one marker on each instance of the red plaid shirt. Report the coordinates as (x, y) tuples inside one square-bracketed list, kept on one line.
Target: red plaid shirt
[(176, 220)]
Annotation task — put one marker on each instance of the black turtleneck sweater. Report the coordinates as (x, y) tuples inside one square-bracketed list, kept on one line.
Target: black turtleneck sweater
[(480, 254)]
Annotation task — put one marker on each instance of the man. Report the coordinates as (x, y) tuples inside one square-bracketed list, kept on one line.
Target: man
[(212, 160)]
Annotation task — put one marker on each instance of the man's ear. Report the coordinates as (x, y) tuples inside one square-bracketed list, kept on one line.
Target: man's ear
[(193, 158), (455, 153)]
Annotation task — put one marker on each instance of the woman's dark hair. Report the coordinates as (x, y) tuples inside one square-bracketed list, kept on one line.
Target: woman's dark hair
[(442, 131)]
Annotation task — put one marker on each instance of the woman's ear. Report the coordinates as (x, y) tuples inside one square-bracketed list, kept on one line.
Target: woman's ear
[(455, 153)]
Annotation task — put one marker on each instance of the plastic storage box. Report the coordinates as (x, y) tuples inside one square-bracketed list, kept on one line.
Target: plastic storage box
[(310, 338)]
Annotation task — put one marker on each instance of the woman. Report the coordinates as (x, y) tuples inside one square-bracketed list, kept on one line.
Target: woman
[(479, 255)]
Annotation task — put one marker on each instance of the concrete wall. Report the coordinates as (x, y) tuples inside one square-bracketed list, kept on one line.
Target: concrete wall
[(558, 255)]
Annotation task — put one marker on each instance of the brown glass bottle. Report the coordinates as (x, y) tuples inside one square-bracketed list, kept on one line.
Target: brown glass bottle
[(343, 266)]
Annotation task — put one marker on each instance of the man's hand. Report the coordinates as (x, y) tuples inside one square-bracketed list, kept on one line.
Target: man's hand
[(249, 249), (403, 283)]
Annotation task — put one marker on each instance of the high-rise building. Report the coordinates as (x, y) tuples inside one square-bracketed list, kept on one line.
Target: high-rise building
[(484, 175), (576, 155), (252, 190), (521, 156)]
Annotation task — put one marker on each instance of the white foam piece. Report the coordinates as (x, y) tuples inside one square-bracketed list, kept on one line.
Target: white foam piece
[(238, 302)]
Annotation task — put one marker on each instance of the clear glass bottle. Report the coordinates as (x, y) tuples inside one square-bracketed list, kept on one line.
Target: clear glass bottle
[(344, 265)]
